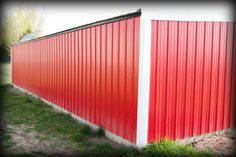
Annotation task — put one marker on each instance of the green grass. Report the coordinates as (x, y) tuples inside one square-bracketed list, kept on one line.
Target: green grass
[(103, 149), (25, 109), (6, 140), (167, 148), (31, 111)]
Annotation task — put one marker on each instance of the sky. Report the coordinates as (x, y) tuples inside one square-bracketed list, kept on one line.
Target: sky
[(60, 16)]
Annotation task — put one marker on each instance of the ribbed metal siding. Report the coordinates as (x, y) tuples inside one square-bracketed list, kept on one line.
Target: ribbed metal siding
[(91, 72), (191, 84)]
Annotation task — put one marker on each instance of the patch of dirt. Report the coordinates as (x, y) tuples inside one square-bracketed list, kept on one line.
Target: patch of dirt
[(222, 143), (28, 141)]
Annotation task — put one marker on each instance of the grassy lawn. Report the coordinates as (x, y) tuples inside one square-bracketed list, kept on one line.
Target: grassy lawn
[(46, 124)]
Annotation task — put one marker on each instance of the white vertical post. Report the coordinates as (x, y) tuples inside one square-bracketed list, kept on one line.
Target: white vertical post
[(143, 82), (11, 63)]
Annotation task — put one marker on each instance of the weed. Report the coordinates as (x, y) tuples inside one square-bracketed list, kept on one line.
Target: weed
[(85, 130), (100, 132), (103, 149), (126, 152), (77, 137), (167, 148), (28, 100)]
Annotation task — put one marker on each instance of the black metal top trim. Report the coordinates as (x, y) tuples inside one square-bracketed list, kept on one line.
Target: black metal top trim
[(114, 19)]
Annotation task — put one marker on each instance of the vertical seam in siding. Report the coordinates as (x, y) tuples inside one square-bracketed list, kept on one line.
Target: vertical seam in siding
[(231, 84), (74, 75), (186, 67), (53, 70), (156, 51), (86, 78), (125, 77), (71, 73), (100, 100), (60, 70), (118, 93), (64, 68), (67, 72), (194, 84), (90, 73), (105, 102), (203, 80), (212, 37), (226, 49), (166, 92), (82, 73), (111, 99), (78, 102), (95, 77), (176, 88), (54, 79), (133, 82), (217, 107)]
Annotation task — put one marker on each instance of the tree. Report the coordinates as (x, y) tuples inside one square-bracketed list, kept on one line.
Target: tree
[(17, 23)]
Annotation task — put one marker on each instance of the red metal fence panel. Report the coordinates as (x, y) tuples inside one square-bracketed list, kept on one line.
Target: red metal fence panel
[(91, 72), (192, 78)]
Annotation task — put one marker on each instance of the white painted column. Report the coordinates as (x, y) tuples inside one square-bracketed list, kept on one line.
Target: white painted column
[(143, 82), (11, 63)]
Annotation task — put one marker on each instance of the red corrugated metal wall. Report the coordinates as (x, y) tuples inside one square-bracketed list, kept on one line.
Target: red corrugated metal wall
[(91, 72), (191, 84)]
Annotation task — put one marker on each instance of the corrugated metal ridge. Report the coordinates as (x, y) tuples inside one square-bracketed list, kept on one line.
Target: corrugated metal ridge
[(113, 19)]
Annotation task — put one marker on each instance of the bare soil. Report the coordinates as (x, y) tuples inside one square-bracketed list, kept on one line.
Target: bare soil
[(222, 143), (28, 141)]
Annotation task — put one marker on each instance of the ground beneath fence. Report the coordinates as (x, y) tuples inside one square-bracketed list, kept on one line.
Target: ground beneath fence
[(27, 141), (32, 128), (222, 143)]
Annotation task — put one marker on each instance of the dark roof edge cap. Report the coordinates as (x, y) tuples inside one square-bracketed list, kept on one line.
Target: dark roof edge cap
[(113, 19)]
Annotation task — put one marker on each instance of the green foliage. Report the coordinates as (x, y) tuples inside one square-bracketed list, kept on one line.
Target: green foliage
[(6, 140), (85, 130), (100, 132), (82, 134), (78, 137), (18, 22), (103, 149), (126, 152), (167, 148), (25, 109)]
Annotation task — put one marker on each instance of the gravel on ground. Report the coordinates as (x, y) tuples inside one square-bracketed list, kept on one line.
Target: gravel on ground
[(222, 143)]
